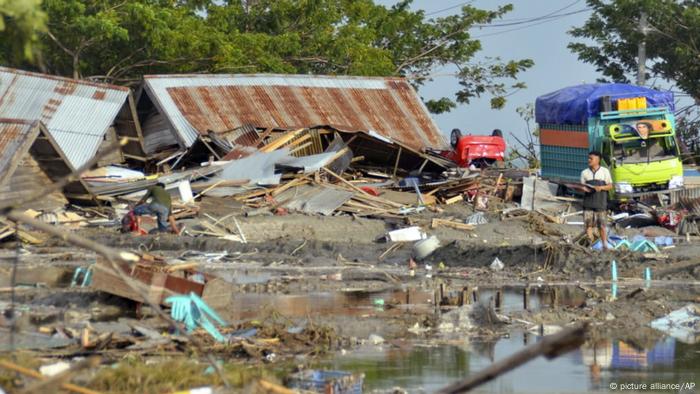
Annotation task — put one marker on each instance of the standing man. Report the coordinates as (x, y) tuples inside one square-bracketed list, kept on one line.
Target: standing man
[(160, 206), (595, 201)]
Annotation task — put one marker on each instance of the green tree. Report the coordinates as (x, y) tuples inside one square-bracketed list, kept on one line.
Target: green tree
[(20, 21), (672, 40), (118, 41)]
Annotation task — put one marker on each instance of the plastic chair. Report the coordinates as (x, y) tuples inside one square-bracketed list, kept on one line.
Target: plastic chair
[(192, 311), (87, 276)]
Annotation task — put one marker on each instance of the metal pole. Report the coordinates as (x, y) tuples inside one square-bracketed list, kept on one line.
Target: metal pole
[(642, 50)]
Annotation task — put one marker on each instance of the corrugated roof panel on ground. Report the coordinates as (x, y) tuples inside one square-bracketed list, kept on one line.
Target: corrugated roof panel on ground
[(389, 106), (76, 113)]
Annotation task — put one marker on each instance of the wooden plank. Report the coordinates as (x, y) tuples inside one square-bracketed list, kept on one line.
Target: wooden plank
[(364, 193), (452, 200), (396, 163), (295, 182), (280, 141), (300, 148), (452, 224)]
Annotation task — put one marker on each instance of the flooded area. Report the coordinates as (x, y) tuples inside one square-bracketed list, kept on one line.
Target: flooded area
[(413, 332), (426, 368)]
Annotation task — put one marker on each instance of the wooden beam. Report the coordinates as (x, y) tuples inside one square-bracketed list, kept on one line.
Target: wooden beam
[(550, 346), (280, 141), (128, 156), (396, 164)]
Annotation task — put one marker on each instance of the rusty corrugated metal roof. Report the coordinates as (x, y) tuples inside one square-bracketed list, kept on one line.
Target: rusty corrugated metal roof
[(76, 113), (195, 104)]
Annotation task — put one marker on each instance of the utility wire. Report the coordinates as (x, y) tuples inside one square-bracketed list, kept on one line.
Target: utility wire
[(449, 8), (553, 14), (532, 24), (510, 22)]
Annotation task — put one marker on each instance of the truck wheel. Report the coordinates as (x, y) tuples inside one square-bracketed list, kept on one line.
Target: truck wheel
[(454, 137), (497, 133)]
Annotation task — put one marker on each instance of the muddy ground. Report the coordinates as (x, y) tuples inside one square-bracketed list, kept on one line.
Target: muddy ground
[(333, 279)]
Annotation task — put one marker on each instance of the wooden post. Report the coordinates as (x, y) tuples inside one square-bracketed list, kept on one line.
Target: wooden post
[(464, 297), (396, 164), (499, 298), (475, 295), (526, 298), (422, 166)]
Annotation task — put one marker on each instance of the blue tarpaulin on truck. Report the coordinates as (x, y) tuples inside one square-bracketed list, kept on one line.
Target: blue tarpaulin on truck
[(575, 104)]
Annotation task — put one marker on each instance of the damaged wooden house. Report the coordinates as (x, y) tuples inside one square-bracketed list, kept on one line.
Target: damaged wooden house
[(50, 126), (381, 120)]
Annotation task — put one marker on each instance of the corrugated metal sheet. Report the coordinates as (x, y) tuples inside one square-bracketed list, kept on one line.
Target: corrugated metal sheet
[(315, 199), (157, 134), (196, 103), (76, 113), (13, 137), (687, 196)]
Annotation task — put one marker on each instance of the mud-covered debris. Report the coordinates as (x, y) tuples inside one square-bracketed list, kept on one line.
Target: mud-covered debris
[(496, 265), (682, 324)]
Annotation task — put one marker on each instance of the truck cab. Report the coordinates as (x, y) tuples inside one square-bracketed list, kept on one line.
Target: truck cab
[(640, 150), (632, 126)]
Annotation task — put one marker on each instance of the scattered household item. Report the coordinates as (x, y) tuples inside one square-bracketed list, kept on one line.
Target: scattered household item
[(336, 382), (54, 369), (407, 234), (185, 190), (426, 247), (598, 245), (191, 310), (111, 174), (644, 245), (637, 220), (476, 218), (663, 241), (682, 324), (87, 276), (497, 265)]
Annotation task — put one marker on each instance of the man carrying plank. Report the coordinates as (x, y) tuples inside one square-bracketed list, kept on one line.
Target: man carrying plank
[(595, 198)]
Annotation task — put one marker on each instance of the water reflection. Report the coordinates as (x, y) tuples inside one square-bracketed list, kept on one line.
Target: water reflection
[(594, 367)]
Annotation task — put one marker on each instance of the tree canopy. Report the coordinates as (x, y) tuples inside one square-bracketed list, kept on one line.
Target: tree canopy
[(20, 23), (119, 41), (672, 40)]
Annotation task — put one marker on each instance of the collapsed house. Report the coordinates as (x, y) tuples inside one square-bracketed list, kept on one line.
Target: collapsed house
[(189, 106), (81, 118), (183, 113)]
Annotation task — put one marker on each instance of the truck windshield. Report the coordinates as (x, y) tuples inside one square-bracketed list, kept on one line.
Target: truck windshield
[(642, 151)]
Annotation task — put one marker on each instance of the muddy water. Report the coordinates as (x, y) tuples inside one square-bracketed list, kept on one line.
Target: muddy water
[(600, 368), (241, 306), (346, 303), (418, 366)]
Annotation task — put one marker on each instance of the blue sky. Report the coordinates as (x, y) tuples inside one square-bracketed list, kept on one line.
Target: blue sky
[(555, 66)]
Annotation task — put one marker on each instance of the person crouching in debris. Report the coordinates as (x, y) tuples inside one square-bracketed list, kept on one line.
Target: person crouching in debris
[(595, 201), (160, 206)]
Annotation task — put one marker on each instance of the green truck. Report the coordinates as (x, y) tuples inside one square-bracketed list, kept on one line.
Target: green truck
[(632, 126)]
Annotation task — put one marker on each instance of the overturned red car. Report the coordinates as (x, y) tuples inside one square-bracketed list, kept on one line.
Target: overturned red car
[(481, 151)]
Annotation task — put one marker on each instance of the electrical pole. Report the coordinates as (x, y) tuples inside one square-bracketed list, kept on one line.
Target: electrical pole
[(642, 50)]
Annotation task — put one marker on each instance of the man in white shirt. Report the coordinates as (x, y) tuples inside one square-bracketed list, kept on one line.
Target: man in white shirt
[(595, 202)]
